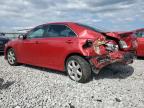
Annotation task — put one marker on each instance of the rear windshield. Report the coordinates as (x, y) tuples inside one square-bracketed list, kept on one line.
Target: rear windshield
[(91, 28), (140, 34)]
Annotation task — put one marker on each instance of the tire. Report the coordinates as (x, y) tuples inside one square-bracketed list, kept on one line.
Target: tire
[(11, 57), (78, 69)]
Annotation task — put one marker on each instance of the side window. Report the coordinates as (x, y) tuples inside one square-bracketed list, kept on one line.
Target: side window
[(59, 31), (36, 33), (142, 33)]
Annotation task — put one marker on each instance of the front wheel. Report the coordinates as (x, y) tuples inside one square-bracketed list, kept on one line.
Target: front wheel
[(78, 69), (11, 57)]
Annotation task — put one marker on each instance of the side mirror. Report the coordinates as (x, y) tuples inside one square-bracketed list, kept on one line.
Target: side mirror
[(22, 36)]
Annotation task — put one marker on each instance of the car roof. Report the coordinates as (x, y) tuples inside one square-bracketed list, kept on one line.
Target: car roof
[(61, 23), (65, 23), (142, 29)]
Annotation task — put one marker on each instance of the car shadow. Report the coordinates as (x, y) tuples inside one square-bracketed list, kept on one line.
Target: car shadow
[(114, 71), (46, 70), (140, 58)]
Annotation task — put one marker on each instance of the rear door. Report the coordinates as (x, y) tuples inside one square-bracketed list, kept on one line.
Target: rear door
[(57, 42), (140, 39)]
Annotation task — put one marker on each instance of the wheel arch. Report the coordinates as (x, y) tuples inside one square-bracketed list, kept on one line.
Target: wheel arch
[(74, 54), (7, 51)]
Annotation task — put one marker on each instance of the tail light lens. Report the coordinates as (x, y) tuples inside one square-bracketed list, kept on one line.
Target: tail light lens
[(111, 46), (123, 44)]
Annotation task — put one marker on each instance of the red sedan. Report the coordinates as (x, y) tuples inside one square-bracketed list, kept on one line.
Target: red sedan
[(140, 39), (66, 46)]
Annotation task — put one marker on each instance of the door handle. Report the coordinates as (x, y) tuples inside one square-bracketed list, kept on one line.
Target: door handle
[(69, 41)]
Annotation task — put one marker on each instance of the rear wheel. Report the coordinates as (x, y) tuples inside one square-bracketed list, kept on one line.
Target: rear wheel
[(11, 57), (78, 69)]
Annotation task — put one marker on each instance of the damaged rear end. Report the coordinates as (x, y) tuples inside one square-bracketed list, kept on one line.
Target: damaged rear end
[(108, 48)]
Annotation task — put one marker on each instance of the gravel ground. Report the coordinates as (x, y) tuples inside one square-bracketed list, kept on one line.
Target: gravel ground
[(32, 87)]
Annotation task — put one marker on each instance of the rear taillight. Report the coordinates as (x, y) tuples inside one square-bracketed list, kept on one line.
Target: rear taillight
[(111, 46), (123, 44)]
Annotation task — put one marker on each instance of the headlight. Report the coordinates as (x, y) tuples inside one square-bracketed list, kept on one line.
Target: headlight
[(6, 45), (123, 44), (111, 47)]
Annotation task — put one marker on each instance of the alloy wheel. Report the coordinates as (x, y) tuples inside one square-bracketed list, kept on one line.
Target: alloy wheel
[(74, 70), (11, 57)]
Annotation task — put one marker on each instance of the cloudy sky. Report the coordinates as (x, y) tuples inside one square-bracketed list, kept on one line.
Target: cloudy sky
[(111, 15)]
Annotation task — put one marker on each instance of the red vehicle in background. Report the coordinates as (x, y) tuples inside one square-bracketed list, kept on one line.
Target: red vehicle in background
[(67, 46), (131, 40), (137, 35), (140, 39)]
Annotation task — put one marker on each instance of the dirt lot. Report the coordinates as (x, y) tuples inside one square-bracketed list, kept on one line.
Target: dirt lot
[(31, 87)]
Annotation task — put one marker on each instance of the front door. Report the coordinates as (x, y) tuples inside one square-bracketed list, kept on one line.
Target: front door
[(29, 48)]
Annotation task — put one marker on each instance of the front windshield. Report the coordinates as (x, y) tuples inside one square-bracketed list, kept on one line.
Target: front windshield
[(91, 28)]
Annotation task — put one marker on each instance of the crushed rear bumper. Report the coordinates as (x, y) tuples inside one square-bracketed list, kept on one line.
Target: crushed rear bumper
[(98, 62)]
